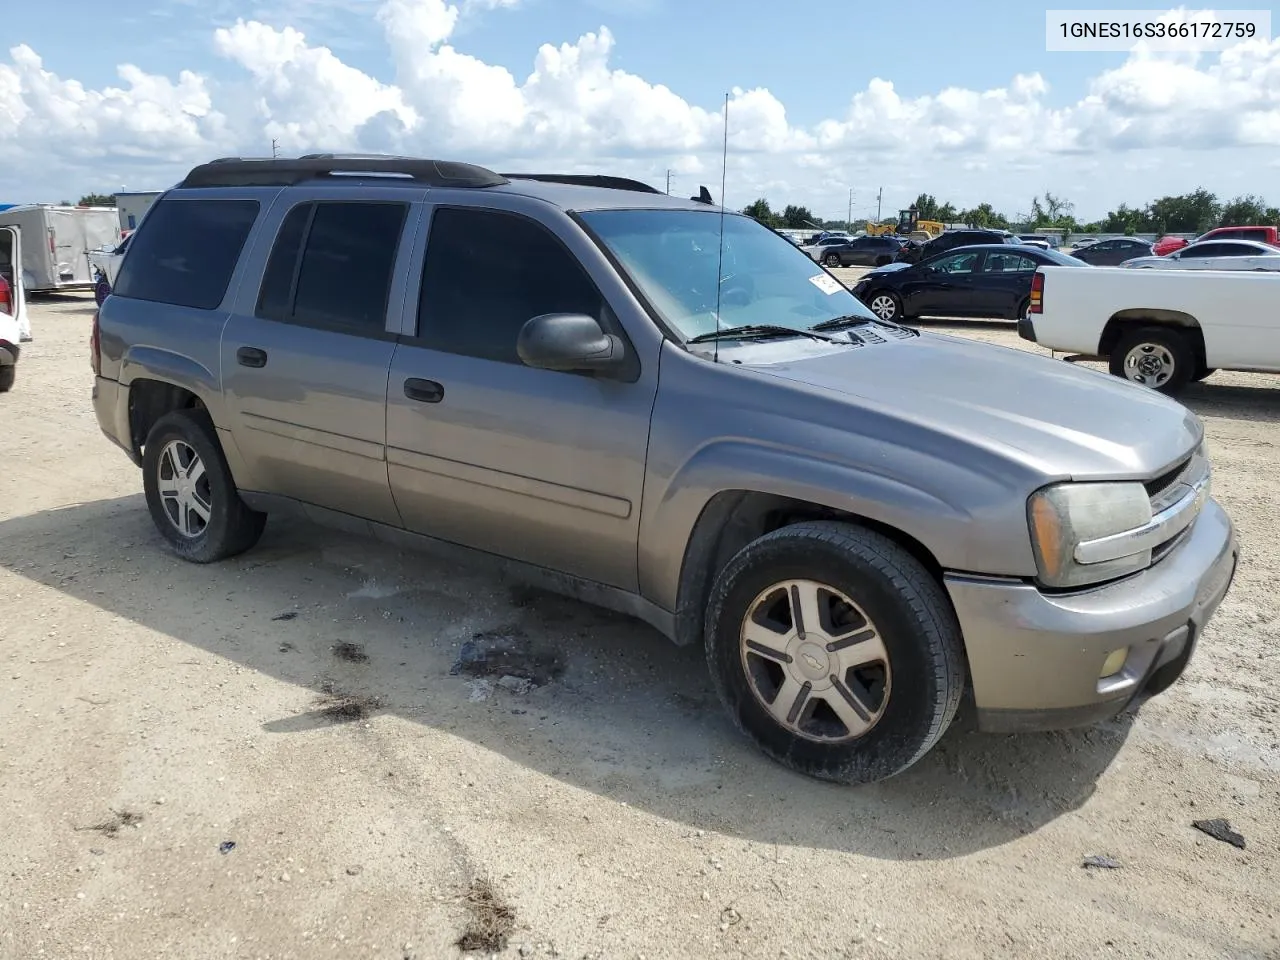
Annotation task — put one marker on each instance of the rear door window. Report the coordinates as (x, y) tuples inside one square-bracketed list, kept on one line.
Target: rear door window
[(186, 251), (331, 265)]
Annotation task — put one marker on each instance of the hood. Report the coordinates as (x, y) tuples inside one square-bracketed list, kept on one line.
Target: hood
[(1055, 418), (887, 268)]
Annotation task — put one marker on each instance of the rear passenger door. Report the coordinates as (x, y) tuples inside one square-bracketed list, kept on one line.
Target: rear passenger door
[(305, 354), (1004, 283), (542, 466)]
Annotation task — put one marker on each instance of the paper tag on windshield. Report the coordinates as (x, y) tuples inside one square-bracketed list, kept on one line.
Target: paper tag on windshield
[(826, 283)]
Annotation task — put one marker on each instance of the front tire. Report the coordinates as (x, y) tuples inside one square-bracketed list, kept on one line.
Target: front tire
[(831, 260), (1155, 357), (864, 681), (885, 305), (192, 498)]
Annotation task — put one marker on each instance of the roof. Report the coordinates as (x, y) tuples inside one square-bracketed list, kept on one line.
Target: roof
[(569, 191)]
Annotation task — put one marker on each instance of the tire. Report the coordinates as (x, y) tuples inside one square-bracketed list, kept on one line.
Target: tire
[(1203, 373), (231, 527), (7, 375), (1171, 360), (920, 669), (881, 261), (1023, 307), (831, 260), (101, 290), (884, 304)]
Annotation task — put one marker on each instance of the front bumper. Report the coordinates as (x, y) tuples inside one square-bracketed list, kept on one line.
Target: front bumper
[(1035, 658)]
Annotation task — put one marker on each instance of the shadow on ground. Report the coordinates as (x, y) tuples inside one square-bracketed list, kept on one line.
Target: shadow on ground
[(621, 712)]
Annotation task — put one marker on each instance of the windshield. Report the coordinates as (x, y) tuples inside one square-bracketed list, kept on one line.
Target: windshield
[(671, 255)]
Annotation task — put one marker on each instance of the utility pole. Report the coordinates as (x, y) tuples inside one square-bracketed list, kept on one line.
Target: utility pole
[(275, 150), (879, 197), (668, 183), (848, 223)]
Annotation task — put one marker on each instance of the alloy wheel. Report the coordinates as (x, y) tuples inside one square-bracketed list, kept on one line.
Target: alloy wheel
[(883, 306), (184, 490), (815, 661)]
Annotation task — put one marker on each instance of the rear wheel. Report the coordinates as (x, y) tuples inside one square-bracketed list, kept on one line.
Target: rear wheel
[(835, 651), (885, 305), (101, 290), (190, 493), (7, 375), (1023, 308), (831, 260), (1155, 357)]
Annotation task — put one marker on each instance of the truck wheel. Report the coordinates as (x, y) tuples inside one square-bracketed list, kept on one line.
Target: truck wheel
[(1156, 357), (885, 305), (101, 290), (192, 498), (1023, 309), (7, 375), (835, 651), (831, 260)]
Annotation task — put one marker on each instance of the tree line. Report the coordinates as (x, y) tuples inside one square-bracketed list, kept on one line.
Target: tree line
[(1193, 212)]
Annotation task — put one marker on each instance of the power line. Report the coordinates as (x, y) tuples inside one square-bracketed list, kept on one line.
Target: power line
[(275, 148)]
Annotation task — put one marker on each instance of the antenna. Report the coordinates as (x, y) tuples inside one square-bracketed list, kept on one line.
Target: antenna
[(724, 175)]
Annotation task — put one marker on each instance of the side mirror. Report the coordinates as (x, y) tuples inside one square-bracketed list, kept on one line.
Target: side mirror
[(568, 342)]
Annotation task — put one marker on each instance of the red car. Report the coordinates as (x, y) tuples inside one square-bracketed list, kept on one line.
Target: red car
[(1166, 245)]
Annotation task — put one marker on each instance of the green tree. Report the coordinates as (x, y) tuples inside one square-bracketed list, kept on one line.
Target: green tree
[(760, 210), (947, 213), (1193, 212), (926, 206), (98, 200), (1125, 219), (1244, 211), (797, 218), (984, 215)]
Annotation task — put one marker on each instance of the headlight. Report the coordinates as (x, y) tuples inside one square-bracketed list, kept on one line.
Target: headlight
[(1063, 516)]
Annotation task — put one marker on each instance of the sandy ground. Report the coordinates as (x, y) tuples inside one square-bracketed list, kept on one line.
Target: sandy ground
[(152, 711)]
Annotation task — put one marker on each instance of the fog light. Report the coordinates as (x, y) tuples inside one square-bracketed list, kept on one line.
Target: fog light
[(1114, 663)]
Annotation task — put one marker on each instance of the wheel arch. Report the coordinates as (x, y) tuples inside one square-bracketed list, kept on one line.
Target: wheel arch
[(150, 399), (1126, 320), (731, 519)]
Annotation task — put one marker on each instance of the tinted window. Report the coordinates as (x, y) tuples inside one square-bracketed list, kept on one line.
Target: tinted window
[(185, 251), (1259, 235), (1237, 250), (471, 307), (960, 263), (1204, 250), (344, 276), (1009, 263)]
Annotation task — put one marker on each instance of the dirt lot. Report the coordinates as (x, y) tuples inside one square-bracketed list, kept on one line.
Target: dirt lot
[(298, 703)]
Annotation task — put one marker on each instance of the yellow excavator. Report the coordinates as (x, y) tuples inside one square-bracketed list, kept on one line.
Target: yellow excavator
[(909, 223)]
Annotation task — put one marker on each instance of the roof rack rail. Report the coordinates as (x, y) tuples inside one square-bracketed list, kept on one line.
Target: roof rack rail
[(284, 172), (585, 180)]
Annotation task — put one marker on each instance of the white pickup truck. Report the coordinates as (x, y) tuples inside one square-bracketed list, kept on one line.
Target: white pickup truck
[(1159, 328)]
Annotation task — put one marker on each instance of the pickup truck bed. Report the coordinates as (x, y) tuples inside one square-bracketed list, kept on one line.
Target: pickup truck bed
[(1158, 328)]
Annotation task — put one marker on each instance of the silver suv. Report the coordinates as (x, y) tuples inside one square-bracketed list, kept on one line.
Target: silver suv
[(664, 408)]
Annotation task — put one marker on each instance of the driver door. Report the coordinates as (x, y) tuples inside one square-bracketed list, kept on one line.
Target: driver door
[(943, 286), (537, 465), (11, 270)]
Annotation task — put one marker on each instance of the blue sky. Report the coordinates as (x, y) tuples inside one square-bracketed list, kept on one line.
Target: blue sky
[(1100, 127)]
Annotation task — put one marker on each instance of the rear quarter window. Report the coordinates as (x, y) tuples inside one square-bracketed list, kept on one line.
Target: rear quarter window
[(185, 251)]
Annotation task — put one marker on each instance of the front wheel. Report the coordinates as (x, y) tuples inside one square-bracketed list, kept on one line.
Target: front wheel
[(1155, 357), (832, 260), (192, 498), (835, 651), (885, 305)]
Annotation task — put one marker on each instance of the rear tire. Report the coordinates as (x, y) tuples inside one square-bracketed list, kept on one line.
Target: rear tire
[(101, 290), (878, 701), (1023, 307), (192, 498), (7, 375), (1160, 358), (831, 260)]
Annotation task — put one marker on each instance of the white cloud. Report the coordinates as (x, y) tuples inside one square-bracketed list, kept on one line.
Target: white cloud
[(574, 110)]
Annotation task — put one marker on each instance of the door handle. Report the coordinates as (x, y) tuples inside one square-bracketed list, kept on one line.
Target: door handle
[(424, 391), (251, 357)]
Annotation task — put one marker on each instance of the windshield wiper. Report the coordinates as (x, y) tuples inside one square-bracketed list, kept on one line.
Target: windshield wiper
[(754, 330), (855, 320)]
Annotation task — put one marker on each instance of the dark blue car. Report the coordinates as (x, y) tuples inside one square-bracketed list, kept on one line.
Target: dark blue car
[(991, 280)]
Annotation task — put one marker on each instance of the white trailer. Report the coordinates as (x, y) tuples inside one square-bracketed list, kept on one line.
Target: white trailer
[(56, 241), (131, 207)]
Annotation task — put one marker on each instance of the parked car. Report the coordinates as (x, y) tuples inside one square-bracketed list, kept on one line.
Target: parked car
[(1214, 255), (1035, 240), (863, 252), (993, 280), (1166, 245), (817, 250), (661, 407), (952, 239), (106, 264), (1113, 252), (1268, 235), (1160, 330)]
